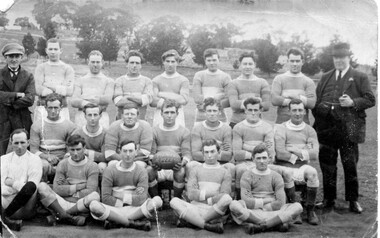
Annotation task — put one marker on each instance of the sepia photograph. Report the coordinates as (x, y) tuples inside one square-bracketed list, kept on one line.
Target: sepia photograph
[(189, 118)]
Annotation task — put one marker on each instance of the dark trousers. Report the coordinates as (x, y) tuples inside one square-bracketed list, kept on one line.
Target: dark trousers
[(349, 154)]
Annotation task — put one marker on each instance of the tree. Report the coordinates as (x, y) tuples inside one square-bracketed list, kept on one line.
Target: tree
[(267, 53), (311, 64), (50, 30), (110, 46), (3, 19), (29, 43), (41, 47), (23, 22), (86, 46), (224, 34), (159, 35), (200, 39)]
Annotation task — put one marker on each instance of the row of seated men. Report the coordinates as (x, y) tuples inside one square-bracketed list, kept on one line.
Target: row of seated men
[(148, 150)]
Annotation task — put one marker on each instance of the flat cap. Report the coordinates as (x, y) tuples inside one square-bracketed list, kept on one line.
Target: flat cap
[(170, 53), (341, 50), (12, 48)]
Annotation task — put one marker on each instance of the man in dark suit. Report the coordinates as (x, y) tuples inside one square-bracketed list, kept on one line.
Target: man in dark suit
[(342, 96), (17, 91)]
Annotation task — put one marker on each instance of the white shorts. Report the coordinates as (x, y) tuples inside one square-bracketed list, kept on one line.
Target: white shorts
[(165, 175)]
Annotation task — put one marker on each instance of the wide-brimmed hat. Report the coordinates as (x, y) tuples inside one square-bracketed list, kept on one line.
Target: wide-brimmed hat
[(13, 48), (341, 50)]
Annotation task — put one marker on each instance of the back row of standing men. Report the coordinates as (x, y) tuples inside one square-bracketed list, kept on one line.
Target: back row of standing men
[(339, 111)]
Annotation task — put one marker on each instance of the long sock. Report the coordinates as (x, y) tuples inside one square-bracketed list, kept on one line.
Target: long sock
[(177, 192), (238, 196), (153, 191), (194, 218), (21, 198), (211, 215), (291, 194), (311, 196), (58, 210), (117, 218), (274, 221)]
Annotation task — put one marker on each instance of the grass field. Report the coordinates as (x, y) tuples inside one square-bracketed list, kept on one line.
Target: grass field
[(339, 223)]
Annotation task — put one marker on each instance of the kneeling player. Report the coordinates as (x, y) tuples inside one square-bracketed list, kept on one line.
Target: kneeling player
[(170, 136), (125, 193), (208, 189), (263, 198), (75, 185)]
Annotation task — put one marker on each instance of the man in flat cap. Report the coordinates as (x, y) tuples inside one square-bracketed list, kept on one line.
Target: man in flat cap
[(343, 94), (17, 91), (170, 85)]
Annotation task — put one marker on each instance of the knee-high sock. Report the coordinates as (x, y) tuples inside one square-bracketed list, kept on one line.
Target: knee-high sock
[(153, 188), (82, 204), (178, 189), (219, 208), (58, 211), (100, 212), (192, 216), (311, 196), (291, 194), (271, 222), (21, 198)]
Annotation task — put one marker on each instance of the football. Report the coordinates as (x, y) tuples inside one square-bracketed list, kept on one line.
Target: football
[(166, 159)]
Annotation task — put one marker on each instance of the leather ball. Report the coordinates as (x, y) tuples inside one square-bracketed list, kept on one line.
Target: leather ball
[(166, 159)]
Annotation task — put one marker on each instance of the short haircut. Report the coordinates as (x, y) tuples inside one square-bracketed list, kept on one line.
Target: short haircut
[(260, 148), (95, 52), (54, 40), (210, 142), (76, 140), (170, 103), (295, 51), (252, 101), (53, 97), (247, 54), (92, 105), (170, 53), (134, 53), (131, 106), (19, 131), (295, 101), (123, 143), (210, 101), (210, 52)]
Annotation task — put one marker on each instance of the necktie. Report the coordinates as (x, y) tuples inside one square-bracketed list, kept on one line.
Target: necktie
[(339, 75), (13, 74)]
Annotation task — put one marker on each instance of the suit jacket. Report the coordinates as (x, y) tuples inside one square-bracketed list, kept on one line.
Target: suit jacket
[(358, 87), (14, 110)]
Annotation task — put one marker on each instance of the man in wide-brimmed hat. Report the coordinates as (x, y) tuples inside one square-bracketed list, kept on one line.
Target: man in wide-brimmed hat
[(343, 94), (17, 91)]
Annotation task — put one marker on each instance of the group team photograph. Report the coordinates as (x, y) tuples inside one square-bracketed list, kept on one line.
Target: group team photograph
[(211, 154)]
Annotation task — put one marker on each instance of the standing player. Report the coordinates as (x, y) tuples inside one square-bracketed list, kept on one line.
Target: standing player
[(125, 193), (245, 86), (94, 135), (208, 188), (133, 87), (170, 85), (48, 136), (246, 135), (170, 136), (211, 82), (95, 88), (53, 76), (130, 128), (17, 91), (21, 172), (75, 185), (293, 84), (263, 198)]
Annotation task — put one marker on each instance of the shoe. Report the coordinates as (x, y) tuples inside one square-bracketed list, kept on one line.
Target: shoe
[(312, 218), (181, 223), (75, 220), (14, 225), (251, 229), (284, 227), (110, 225), (298, 220), (51, 220), (217, 227), (140, 225), (355, 207)]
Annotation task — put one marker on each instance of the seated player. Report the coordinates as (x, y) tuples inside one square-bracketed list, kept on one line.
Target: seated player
[(212, 128), (129, 128), (246, 135), (48, 136), (125, 193), (75, 185), (95, 88), (170, 136), (208, 188), (94, 135), (263, 198), (21, 172), (133, 87), (296, 143)]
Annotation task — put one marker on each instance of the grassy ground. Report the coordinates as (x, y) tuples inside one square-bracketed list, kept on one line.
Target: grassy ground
[(339, 223)]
